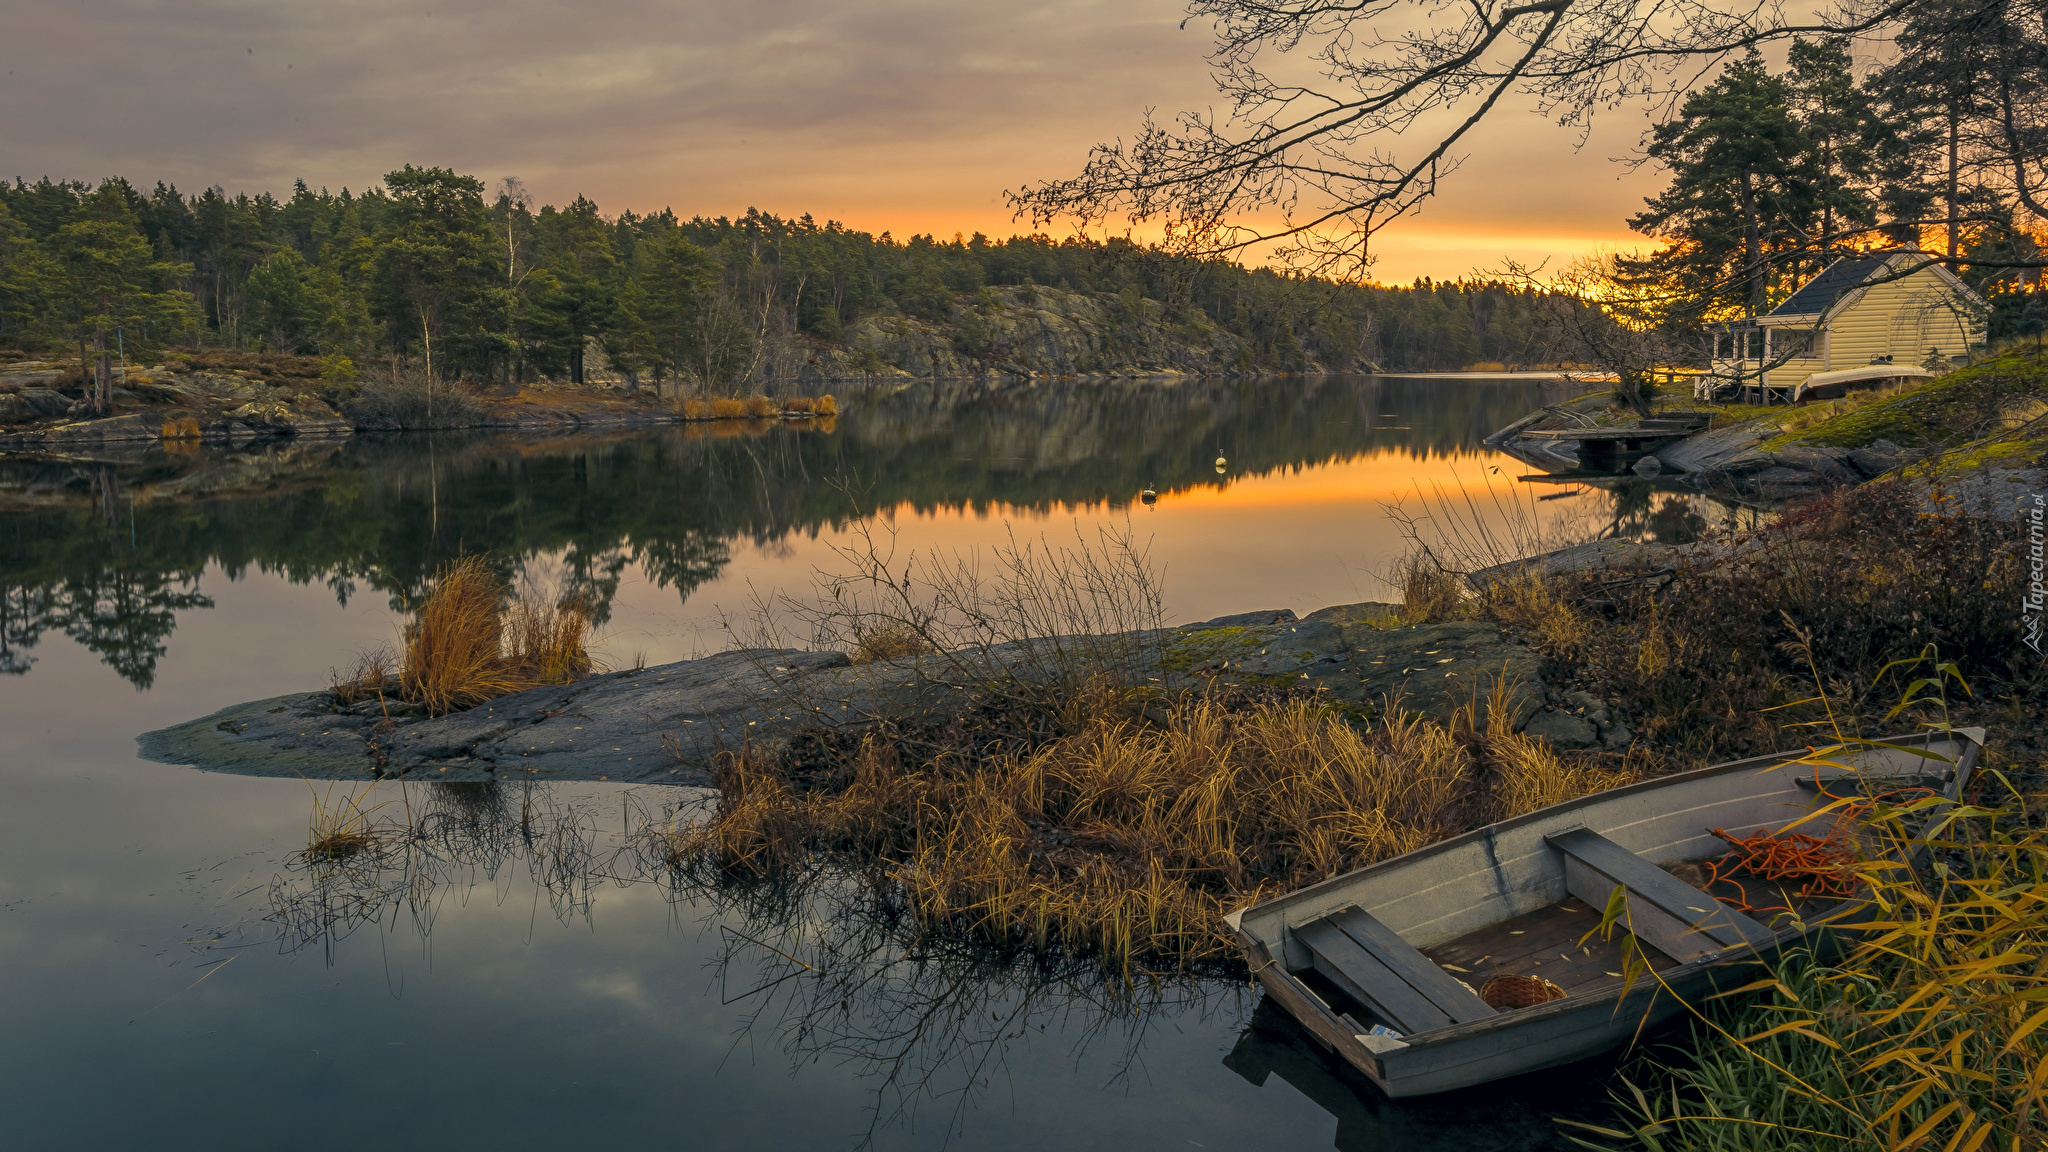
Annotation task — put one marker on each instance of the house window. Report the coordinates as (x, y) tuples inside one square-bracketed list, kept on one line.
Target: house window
[(1791, 342)]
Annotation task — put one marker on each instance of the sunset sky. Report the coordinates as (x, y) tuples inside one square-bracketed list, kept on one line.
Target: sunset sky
[(906, 115)]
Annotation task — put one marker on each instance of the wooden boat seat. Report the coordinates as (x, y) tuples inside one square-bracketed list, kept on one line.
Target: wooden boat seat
[(1387, 974), (1678, 918)]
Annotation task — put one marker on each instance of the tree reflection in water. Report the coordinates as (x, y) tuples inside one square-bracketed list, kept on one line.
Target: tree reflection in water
[(820, 964), (835, 974), (408, 848), (829, 969), (111, 551)]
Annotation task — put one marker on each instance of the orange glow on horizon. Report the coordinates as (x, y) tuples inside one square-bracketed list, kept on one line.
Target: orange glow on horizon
[(1381, 477)]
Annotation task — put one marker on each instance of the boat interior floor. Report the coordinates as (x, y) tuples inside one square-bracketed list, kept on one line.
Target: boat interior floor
[(1551, 943)]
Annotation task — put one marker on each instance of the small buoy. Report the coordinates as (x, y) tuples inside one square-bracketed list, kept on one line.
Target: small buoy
[(1221, 463), (1148, 497)]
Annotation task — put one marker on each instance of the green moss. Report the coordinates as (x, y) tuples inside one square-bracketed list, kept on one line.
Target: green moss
[(1929, 415), (1192, 648), (2019, 451)]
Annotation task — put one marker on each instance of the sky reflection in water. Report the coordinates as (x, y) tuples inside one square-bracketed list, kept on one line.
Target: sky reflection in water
[(516, 976)]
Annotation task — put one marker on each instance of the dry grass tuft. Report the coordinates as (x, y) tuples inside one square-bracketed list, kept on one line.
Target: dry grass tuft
[(1126, 837), (1529, 774), (453, 648), (1427, 591), (1543, 610), (339, 829), (370, 676), (456, 653), (756, 407), (811, 405), (547, 640), (890, 642)]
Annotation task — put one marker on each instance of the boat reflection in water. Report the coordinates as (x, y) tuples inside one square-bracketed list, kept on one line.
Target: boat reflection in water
[(1519, 1115)]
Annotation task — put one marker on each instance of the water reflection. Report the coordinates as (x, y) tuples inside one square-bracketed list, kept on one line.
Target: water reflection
[(109, 549), (1518, 1115), (927, 1025), (378, 855), (826, 970)]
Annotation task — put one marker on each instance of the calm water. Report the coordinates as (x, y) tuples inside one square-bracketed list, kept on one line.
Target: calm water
[(514, 974)]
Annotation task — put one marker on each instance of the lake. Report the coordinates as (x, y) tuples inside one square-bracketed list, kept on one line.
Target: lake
[(512, 971)]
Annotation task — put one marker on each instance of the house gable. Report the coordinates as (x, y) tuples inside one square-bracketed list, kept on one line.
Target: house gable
[(1856, 316)]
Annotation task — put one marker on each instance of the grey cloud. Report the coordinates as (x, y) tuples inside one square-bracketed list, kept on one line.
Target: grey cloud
[(890, 113), (600, 96)]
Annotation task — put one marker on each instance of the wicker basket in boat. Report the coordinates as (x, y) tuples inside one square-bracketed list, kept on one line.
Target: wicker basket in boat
[(1504, 992)]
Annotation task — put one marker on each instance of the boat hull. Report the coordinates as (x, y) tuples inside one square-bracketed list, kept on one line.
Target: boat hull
[(1438, 893)]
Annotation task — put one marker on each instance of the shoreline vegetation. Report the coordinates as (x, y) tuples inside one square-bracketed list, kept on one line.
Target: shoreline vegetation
[(233, 398), (428, 284), (1084, 813), (472, 639), (1088, 816)]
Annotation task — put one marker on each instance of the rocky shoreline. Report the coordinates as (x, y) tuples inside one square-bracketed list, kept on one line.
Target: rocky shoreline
[(1732, 458), (667, 723), (1979, 432), (203, 402)]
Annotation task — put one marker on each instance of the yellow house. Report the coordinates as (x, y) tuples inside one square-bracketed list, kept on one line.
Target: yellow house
[(1861, 314)]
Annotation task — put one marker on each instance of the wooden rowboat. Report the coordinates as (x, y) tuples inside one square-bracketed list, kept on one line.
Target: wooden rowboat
[(1381, 964)]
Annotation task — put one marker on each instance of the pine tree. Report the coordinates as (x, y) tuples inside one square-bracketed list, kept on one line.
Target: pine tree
[(104, 278), (1742, 188)]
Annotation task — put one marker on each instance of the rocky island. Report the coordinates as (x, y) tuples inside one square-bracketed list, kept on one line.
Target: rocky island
[(664, 724)]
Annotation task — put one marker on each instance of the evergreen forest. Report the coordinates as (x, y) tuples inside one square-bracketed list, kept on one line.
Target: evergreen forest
[(430, 271)]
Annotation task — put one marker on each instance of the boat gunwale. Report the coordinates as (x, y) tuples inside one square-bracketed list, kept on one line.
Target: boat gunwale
[(1686, 972), (1302, 895)]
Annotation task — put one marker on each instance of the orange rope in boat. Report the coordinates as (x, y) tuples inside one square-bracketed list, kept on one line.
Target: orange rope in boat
[(1823, 865)]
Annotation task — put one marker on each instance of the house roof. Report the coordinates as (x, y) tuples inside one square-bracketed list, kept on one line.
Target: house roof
[(1834, 282)]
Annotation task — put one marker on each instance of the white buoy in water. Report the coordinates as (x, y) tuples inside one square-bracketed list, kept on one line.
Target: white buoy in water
[(1221, 463), (1148, 497)]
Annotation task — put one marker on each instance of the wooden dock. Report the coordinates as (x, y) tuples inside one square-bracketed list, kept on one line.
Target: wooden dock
[(1612, 449)]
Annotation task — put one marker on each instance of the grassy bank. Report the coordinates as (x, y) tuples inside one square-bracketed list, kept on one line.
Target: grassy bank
[(1998, 395), (1115, 824), (1720, 655)]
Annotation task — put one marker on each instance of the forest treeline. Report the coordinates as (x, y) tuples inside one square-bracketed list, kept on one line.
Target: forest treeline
[(430, 271)]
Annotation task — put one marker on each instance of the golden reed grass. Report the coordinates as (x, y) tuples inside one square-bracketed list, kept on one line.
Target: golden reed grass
[(469, 641), (1428, 592), (757, 407), (1932, 1033), (1130, 837)]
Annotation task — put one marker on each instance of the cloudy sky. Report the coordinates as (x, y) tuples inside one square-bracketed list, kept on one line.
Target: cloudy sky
[(908, 115)]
